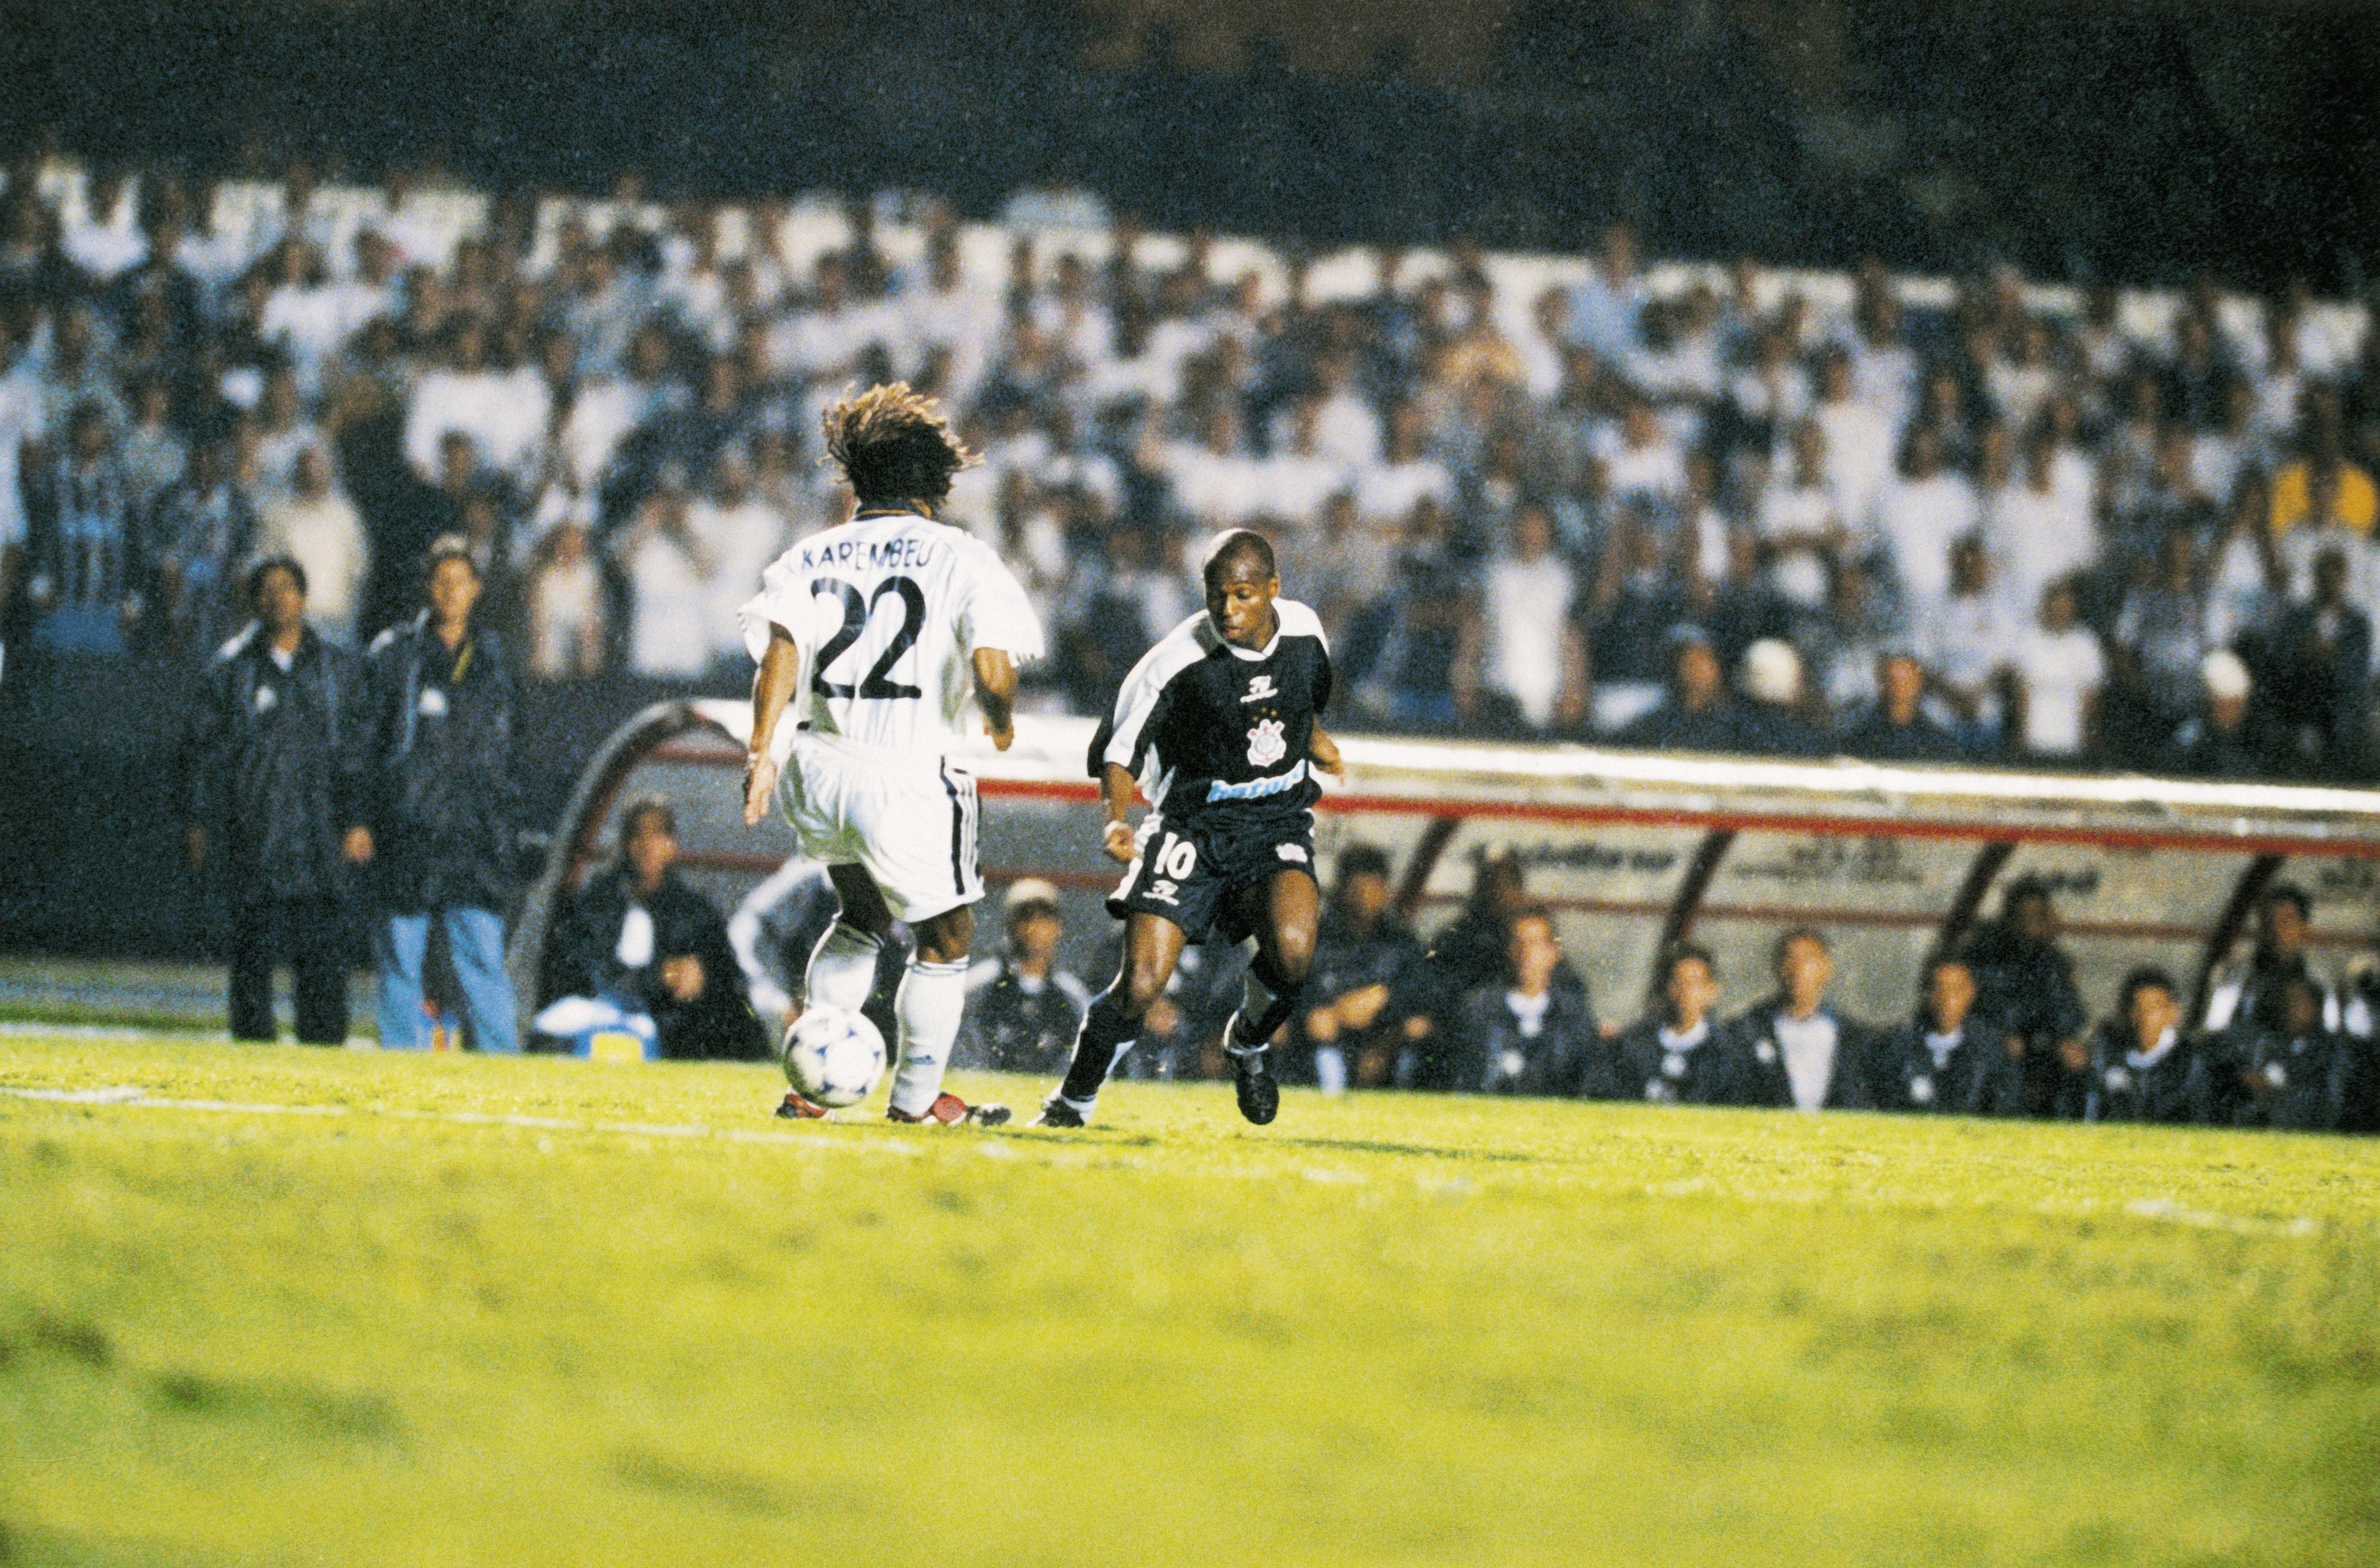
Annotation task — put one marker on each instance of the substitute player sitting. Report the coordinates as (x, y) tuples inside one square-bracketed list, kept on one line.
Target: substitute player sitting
[(1218, 722), (884, 626)]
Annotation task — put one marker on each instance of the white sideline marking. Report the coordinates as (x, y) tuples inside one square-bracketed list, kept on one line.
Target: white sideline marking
[(2166, 1209), (132, 1095), (114, 1095)]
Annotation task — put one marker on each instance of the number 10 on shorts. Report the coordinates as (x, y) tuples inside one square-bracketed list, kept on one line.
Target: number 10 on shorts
[(1175, 860)]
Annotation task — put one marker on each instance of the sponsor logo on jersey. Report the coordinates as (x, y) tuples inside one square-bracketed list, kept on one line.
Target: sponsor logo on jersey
[(1260, 689), (1255, 789), (1266, 745)]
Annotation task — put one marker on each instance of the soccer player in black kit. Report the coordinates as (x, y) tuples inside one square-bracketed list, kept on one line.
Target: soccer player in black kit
[(1219, 725)]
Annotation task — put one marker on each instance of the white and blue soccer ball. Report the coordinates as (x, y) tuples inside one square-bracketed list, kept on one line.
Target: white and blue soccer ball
[(833, 1056)]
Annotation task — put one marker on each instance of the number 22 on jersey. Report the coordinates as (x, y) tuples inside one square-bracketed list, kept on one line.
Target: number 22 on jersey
[(857, 611)]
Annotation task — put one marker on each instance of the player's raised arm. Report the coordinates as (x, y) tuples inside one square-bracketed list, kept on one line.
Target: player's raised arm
[(995, 693), (773, 687)]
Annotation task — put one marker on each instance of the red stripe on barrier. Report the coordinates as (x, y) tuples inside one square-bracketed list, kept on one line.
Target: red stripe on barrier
[(1826, 824)]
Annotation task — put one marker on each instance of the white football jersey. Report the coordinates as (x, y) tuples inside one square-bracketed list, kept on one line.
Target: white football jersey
[(887, 612)]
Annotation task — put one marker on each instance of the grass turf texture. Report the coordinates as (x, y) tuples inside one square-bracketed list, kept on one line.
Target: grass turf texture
[(1385, 1330)]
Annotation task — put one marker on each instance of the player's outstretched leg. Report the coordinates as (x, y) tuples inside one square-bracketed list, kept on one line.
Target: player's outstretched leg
[(1276, 981), (932, 997), (841, 969), (1151, 947)]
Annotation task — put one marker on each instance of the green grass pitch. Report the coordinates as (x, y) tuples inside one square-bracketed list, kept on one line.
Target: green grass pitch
[(362, 1309)]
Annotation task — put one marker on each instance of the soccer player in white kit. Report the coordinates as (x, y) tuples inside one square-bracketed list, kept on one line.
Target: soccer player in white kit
[(885, 628)]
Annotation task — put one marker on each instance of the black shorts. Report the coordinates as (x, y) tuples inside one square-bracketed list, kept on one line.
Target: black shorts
[(1189, 872)]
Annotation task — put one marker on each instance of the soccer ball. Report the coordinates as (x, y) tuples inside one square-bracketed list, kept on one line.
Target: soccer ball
[(833, 1056)]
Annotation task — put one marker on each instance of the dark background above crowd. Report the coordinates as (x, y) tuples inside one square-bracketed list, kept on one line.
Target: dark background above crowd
[(2138, 142)]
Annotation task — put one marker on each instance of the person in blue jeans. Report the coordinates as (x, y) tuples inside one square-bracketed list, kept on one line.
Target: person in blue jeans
[(442, 806)]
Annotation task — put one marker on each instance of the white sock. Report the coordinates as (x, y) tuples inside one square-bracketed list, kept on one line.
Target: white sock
[(843, 968), (1331, 1069), (929, 1004)]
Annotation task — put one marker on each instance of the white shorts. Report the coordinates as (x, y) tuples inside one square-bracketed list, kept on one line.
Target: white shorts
[(910, 822)]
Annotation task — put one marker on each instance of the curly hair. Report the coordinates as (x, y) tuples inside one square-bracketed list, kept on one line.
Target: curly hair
[(894, 445)]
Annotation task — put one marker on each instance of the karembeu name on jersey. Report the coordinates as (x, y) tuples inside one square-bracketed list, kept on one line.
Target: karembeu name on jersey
[(905, 552)]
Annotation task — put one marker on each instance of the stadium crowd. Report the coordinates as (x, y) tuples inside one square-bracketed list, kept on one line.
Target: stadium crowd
[(1528, 502), (1718, 515)]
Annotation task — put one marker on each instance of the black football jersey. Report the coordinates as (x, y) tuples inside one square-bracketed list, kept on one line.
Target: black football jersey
[(1210, 728)]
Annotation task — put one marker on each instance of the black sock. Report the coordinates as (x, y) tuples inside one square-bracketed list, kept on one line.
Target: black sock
[(1105, 1033), (1273, 1008)]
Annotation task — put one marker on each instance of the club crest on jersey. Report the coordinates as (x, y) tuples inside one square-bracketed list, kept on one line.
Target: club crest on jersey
[(1266, 745), (1260, 689)]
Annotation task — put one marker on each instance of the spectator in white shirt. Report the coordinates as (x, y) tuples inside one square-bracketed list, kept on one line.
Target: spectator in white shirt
[(313, 523), (1607, 310), (1385, 493), (283, 432), (2037, 533), (1215, 479), (673, 590), (567, 625), (2022, 377), (1884, 371), (1347, 430), (1297, 478), (1524, 649), (1543, 347), (1969, 642), (1645, 466), (740, 534), (1800, 524), (1859, 442), (1921, 513), (468, 395), (2059, 670)]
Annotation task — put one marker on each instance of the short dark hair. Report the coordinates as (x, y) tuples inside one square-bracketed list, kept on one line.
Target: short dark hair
[(2023, 888), (2146, 978), (254, 582), (1362, 860), (1233, 545), (2289, 893), (642, 806), (894, 445), (1677, 953), (1811, 933)]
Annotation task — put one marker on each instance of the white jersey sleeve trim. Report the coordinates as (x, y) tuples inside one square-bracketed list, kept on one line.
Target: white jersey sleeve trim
[(1299, 620), (785, 600), (1174, 653)]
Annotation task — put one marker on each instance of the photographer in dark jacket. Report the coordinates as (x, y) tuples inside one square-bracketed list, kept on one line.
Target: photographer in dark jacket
[(1949, 1058), (1801, 1053), (1364, 1005), (2288, 1069), (271, 791), (1680, 1053), (442, 804), (2025, 984), (1024, 1006), (638, 935), (1532, 1031), (2143, 1067)]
